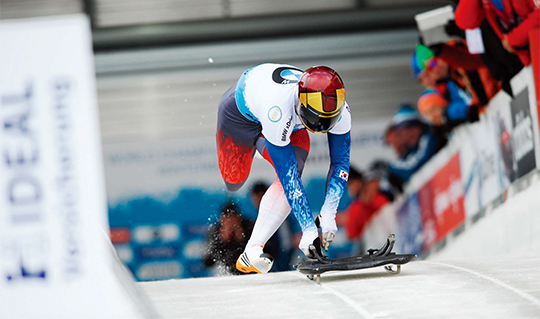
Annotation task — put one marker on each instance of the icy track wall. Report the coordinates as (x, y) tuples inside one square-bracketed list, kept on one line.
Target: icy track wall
[(484, 164)]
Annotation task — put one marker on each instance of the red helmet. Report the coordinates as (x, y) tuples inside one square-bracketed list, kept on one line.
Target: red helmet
[(322, 95)]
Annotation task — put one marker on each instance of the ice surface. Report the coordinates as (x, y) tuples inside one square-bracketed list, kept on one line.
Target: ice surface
[(489, 271), (486, 288)]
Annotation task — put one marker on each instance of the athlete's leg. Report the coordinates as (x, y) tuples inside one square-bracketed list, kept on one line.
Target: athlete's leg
[(234, 160), (273, 210), (274, 207), (235, 141)]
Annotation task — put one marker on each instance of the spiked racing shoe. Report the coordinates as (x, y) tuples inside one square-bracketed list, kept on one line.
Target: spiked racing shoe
[(254, 260)]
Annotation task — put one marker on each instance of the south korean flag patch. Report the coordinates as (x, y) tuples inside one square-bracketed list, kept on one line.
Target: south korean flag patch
[(344, 175)]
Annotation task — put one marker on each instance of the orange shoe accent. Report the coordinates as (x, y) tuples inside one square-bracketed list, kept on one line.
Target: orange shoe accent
[(246, 269), (243, 265)]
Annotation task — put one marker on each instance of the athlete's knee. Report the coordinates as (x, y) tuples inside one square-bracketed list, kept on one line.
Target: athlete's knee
[(234, 187)]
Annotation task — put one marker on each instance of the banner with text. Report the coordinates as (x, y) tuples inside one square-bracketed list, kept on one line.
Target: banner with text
[(55, 261)]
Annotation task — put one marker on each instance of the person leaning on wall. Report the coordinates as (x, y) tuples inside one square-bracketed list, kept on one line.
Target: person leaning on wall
[(504, 26), (511, 20)]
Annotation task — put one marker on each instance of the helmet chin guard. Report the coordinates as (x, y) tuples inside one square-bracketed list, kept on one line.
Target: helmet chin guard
[(321, 98)]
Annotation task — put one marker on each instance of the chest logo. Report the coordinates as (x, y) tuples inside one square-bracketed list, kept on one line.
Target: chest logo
[(286, 75)]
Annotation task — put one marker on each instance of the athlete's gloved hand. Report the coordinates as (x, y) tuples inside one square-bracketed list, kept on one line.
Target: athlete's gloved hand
[(314, 250), (328, 228), (308, 238)]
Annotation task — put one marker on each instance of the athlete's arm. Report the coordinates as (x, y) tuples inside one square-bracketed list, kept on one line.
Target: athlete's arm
[(286, 167), (339, 143), (336, 184)]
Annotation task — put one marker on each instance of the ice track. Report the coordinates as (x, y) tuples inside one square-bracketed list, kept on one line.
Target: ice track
[(486, 288), (489, 271)]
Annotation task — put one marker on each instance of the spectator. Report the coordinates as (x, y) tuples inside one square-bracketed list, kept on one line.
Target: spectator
[(257, 191), (390, 185), (434, 107), (469, 70), (226, 240), (354, 187), (511, 21), (418, 64), (370, 200), (503, 65), (442, 115), (437, 74), (413, 142), (354, 183)]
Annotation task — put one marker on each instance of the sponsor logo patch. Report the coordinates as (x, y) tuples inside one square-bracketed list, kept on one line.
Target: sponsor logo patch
[(286, 129), (274, 114)]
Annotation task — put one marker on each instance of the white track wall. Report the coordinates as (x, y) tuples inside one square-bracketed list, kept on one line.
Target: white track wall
[(510, 230)]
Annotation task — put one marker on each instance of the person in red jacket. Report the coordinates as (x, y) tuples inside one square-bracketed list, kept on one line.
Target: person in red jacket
[(511, 20), (364, 208), (370, 198)]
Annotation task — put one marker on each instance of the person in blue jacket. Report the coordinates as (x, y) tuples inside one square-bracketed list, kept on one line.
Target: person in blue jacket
[(443, 114), (413, 140), (270, 110)]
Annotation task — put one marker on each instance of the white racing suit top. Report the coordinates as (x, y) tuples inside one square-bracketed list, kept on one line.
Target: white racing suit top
[(268, 94)]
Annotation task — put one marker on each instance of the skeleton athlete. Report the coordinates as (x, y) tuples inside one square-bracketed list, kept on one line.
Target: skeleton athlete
[(270, 109)]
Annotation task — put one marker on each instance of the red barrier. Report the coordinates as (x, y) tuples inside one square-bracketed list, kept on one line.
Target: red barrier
[(534, 47), (442, 202)]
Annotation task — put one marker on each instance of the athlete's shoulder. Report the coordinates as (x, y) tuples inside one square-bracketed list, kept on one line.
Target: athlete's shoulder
[(268, 85)]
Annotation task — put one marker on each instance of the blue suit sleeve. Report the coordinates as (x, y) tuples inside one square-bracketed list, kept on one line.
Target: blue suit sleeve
[(286, 167), (339, 146)]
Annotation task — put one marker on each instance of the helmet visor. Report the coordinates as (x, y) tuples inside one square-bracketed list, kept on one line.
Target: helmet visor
[(318, 112), (323, 104), (313, 122)]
